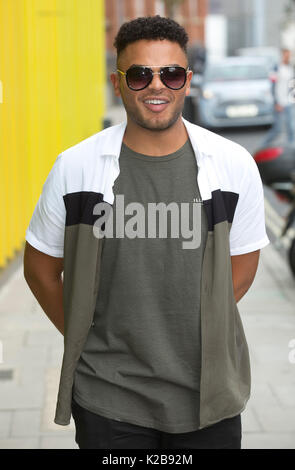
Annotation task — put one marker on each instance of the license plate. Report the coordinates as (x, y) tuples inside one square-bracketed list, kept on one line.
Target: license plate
[(249, 110)]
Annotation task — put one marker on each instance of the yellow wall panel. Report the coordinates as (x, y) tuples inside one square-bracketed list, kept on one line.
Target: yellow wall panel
[(52, 70)]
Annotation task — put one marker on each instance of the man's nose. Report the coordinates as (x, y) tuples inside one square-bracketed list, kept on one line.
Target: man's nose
[(156, 83)]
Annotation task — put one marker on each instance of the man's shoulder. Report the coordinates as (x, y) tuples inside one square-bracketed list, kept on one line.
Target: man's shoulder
[(221, 149), (228, 162)]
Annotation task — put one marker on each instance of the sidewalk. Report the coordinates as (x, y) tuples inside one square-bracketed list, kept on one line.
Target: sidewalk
[(33, 348)]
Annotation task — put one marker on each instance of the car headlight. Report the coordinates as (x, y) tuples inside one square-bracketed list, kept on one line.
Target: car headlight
[(208, 94)]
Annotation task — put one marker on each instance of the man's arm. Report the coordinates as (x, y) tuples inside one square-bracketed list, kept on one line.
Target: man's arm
[(244, 268), (43, 275)]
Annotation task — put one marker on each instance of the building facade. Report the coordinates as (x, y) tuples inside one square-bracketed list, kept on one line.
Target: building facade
[(251, 23), (191, 14)]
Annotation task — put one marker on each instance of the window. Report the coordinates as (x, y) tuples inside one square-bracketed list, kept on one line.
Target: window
[(139, 8), (160, 7), (193, 8), (236, 72), (120, 12)]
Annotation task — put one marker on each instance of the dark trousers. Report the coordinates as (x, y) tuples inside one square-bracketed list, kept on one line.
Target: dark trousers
[(97, 432)]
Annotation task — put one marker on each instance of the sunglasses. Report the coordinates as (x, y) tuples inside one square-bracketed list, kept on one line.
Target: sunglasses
[(139, 77)]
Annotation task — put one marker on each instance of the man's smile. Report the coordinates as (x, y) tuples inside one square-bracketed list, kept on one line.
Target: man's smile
[(156, 105)]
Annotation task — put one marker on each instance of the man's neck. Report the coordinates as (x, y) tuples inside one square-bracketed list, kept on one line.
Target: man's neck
[(155, 143)]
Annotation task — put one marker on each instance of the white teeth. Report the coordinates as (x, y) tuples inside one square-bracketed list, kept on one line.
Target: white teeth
[(155, 102)]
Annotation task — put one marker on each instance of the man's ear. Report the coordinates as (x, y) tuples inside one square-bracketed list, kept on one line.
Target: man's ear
[(116, 83), (189, 79)]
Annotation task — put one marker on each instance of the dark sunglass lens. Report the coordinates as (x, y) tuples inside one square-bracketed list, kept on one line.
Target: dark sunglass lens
[(138, 77), (174, 77)]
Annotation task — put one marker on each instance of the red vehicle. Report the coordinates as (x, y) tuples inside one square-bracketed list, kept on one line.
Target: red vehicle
[(277, 170)]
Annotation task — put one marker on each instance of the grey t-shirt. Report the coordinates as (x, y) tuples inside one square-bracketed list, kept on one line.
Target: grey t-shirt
[(141, 361)]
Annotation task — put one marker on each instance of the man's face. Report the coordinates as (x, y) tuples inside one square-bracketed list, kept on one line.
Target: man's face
[(286, 55), (151, 53)]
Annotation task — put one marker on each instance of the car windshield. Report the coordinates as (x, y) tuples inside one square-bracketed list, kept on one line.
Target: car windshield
[(236, 72)]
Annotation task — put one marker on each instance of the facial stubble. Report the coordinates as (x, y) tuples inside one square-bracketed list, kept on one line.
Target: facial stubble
[(152, 124)]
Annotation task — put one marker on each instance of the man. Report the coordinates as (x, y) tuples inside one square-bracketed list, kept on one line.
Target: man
[(155, 353), (283, 105)]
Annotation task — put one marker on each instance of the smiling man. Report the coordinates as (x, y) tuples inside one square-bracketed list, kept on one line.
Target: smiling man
[(155, 353), (154, 106)]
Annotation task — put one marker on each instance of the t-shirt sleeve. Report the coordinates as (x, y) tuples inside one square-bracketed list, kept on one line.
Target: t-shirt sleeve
[(47, 225), (248, 231)]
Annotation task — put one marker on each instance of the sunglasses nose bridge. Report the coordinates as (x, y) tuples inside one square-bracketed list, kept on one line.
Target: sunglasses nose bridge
[(156, 81)]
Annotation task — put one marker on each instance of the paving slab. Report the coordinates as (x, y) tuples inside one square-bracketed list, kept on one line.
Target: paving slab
[(16, 443), (5, 423), (56, 442), (268, 441), (26, 423)]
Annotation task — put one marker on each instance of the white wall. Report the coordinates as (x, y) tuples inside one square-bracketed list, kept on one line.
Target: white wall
[(216, 36)]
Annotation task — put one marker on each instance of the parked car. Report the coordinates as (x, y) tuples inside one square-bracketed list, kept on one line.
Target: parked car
[(271, 54), (235, 91)]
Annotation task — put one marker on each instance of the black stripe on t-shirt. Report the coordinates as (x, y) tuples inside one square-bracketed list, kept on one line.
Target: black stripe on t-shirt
[(79, 207), (221, 207)]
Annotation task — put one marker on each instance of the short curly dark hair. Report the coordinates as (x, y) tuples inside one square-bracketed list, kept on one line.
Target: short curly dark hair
[(150, 27)]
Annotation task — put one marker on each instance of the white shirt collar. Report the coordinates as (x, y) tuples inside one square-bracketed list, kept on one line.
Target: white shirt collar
[(113, 138)]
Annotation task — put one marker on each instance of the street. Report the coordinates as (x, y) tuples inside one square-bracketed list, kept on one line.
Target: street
[(275, 210), (32, 351)]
